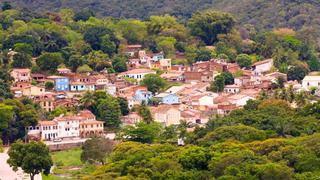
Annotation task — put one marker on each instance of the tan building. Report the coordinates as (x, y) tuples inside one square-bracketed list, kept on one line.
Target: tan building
[(165, 64), (167, 114), (21, 75)]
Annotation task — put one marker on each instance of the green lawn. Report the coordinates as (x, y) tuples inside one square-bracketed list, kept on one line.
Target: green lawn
[(67, 164)]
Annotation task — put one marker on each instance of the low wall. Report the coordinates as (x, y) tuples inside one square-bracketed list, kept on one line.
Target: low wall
[(64, 146)]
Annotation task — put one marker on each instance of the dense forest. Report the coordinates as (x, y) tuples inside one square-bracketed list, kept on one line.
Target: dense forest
[(261, 14)]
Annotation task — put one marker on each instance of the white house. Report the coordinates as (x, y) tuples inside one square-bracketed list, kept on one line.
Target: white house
[(239, 99), (80, 125), (68, 126), (311, 82), (232, 89), (137, 74), (262, 66)]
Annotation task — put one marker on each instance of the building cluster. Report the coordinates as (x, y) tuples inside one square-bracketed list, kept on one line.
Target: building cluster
[(189, 100), (81, 125)]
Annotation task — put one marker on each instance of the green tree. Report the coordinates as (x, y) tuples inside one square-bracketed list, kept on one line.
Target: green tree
[(297, 72), (33, 158), (84, 69), (203, 54), (141, 132), (166, 26), (83, 15), (109, 111), (5, 83), (23, 48), (134, 31), (75, 61), (96, 149), (49, 61), (123, 102), (228, 78), (119, 63), (239, 132), (166, 44), (144, 111), (218, 84), (6, 116), (153, 82), (244, 60), (98, 35), (108, 46), (194, 157), (21, 60), (208, 24), (49, 85)]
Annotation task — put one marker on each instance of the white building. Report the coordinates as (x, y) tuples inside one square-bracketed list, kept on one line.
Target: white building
[(137, 74), (262, 66), (311, 82), (232, 89), (80, 125), (239, 99)]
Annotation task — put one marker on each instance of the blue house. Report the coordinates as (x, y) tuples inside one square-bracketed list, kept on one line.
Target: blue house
[(142, 95), (168, 98), (61, 83)]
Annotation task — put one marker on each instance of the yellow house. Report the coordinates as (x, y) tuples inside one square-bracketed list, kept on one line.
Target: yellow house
[(33, 91), (165, 64)]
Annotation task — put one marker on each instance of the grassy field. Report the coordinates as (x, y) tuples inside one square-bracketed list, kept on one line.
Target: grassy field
[(67, 165)]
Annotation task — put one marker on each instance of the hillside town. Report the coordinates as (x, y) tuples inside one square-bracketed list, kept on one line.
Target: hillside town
[(150, 89), (188, 99)]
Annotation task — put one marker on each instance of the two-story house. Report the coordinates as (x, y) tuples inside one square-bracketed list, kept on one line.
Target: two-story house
[(142, 95), (166, 114), (21, 75), (61, 83)]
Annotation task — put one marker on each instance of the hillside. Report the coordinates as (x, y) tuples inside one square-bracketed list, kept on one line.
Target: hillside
[(262, 13)]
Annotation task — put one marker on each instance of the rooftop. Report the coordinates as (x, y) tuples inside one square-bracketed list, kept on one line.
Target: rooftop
[(138, 71), (262, 62)]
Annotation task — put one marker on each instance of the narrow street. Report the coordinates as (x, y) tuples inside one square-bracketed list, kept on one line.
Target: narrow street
[(6, 172)]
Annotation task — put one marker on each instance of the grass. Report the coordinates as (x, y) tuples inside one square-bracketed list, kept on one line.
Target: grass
[(67, 164), (67, 158)]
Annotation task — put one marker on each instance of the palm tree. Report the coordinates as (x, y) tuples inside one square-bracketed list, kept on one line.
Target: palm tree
[(87, 100)]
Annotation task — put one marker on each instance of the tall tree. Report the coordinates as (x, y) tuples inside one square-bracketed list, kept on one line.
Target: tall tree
[(208, 24), (109, 111), (145, 113), (218, 84), (123, 102), (96, 149), (33, 158), (49, 61), (21, 60), (153, 82), (244, 60), (119, 63)]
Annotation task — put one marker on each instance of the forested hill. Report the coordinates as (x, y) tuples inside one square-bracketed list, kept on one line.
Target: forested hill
[(260, 13)]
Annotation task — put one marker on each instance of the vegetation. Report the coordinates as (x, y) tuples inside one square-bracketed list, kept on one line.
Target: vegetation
[(68, 165), (96, 149), (33, 158), (265, 140)]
